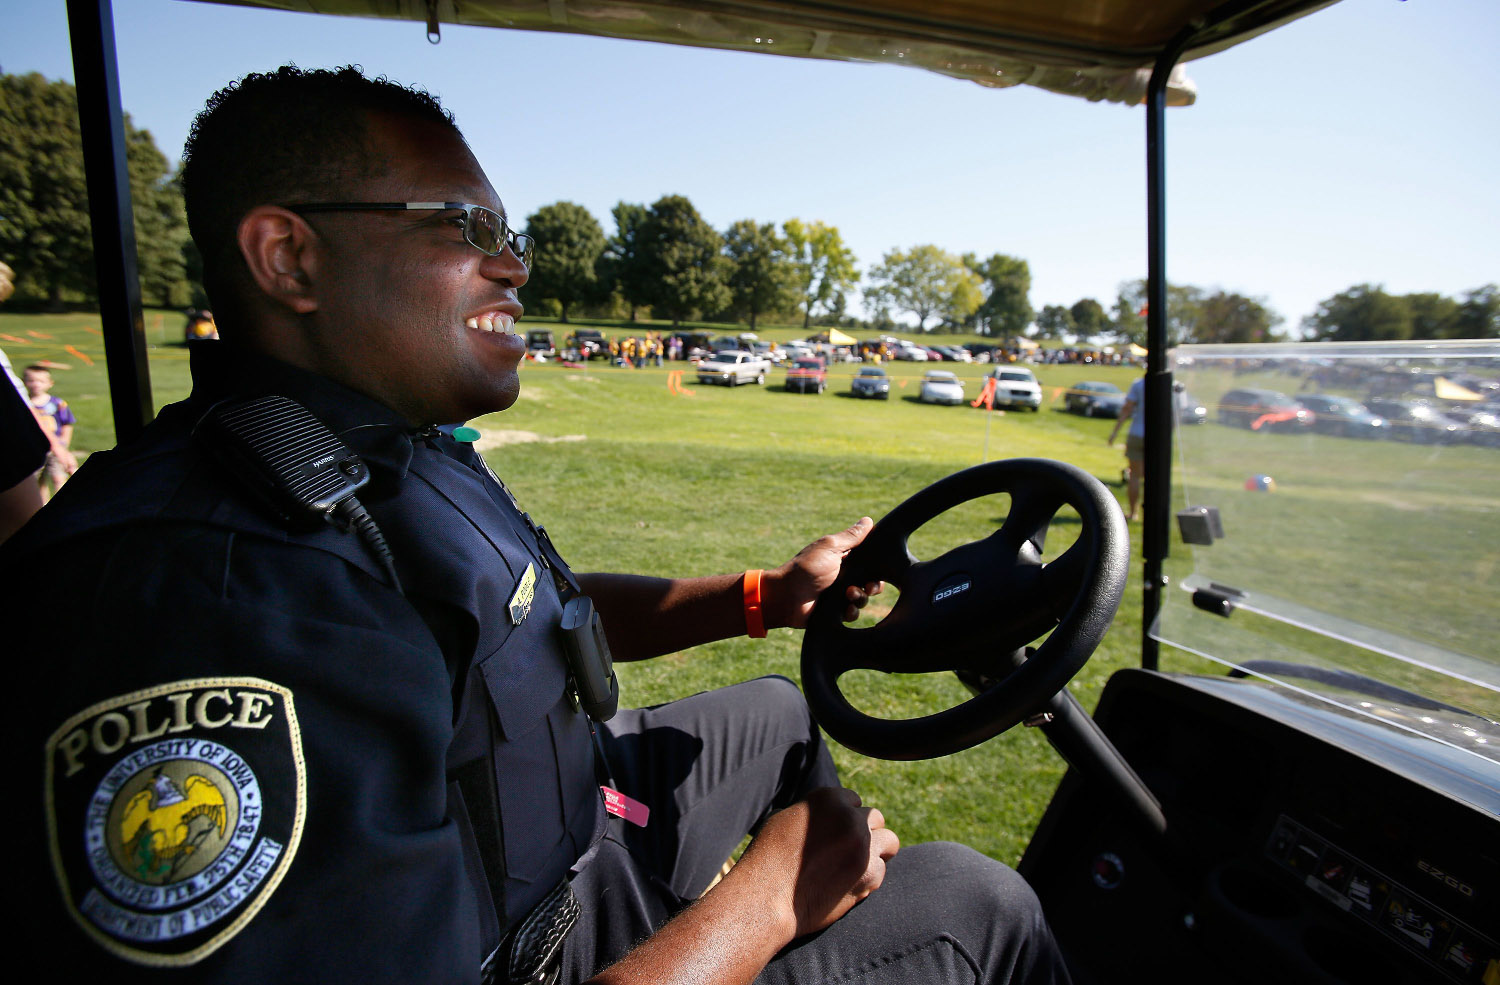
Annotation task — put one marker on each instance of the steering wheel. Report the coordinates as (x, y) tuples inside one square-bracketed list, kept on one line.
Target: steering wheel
[(974, 609)]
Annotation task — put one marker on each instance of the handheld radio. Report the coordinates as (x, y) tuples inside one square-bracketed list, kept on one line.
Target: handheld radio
[(294, 465)]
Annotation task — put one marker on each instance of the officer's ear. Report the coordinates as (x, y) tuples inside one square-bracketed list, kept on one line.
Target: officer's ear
[(281, 252)]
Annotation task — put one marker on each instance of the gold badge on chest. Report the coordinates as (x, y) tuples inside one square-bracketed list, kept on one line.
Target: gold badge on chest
[(520, 602)]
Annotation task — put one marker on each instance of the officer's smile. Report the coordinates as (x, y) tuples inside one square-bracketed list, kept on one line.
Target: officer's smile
[(493, 321)]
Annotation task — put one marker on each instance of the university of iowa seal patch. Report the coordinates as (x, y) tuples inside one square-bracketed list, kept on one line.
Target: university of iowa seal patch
[(173, 813)]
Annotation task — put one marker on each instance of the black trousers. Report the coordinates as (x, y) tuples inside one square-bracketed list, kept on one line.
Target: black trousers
[(712, 768)]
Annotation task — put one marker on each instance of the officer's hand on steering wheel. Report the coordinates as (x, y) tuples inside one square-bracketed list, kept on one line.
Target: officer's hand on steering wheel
[(790, 591)]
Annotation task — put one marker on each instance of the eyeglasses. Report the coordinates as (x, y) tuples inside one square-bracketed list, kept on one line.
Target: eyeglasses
[(485, 229)]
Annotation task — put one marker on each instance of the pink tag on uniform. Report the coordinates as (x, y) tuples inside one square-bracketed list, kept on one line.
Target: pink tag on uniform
[(629, 808)]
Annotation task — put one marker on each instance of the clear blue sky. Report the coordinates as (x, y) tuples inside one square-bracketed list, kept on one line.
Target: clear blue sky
[(1361, 144)]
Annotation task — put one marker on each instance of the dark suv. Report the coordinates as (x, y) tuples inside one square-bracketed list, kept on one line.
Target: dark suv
[(591, 343), (1417, 421)]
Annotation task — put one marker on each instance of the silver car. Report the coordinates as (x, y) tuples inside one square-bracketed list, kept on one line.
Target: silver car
[(1016, 386), (941, 387)]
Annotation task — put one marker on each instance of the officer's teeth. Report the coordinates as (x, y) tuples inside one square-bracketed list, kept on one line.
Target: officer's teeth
[(498, 322)]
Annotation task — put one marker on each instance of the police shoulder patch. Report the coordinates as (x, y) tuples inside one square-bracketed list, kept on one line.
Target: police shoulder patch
[(173, 813)]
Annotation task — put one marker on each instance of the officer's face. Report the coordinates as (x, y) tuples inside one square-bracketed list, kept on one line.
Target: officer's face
[(422, 320)]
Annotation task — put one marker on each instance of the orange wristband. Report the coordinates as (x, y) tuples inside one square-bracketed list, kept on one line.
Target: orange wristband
[(755, 623)]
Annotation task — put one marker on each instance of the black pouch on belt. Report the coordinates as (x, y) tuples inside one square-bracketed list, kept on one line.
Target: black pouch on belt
[(530, 953)]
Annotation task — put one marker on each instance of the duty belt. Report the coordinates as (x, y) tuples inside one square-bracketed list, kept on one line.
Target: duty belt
[(531, 953)]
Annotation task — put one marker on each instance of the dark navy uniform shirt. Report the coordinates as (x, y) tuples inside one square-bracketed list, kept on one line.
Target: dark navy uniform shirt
[(256, 760)]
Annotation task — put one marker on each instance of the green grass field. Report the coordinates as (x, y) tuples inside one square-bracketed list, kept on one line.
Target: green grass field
[(628, 475)]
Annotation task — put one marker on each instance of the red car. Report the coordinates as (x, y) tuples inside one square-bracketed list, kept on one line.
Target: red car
[(807, 376)]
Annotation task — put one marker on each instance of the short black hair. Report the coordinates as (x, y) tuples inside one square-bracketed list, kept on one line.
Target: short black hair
[(289, 135)]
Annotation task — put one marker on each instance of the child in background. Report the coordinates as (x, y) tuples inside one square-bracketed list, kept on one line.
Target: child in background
[(57, 418)]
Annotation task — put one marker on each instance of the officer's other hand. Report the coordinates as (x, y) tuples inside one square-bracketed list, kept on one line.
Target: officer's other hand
[(788, 593), (816, 859)]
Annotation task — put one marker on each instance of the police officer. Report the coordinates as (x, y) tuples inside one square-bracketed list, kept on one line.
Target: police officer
[(287, 749)]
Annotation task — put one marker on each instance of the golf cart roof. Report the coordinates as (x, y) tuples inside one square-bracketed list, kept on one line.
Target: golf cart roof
[(1095, 49)]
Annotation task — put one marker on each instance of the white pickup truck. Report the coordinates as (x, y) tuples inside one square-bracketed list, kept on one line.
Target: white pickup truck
[(732, 368)]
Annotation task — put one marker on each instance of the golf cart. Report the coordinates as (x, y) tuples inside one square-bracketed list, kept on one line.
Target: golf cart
[(1327, 811)]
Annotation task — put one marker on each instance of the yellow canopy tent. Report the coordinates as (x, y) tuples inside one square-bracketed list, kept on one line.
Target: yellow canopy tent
[(1445, 389), (839, 338)]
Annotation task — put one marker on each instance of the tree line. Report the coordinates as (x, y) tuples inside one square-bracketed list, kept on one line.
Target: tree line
[(666, 258), (44, 211), (1363, 313)]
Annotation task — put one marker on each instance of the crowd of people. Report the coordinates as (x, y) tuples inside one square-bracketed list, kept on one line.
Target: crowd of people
[(1086, 357)]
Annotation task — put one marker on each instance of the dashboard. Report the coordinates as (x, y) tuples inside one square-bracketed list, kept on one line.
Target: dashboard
[(1304, 844)]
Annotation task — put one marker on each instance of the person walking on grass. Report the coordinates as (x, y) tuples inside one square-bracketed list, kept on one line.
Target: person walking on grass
[(1135, 443)]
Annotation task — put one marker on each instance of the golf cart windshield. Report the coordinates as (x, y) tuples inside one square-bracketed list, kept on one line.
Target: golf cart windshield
[(1357, 568)]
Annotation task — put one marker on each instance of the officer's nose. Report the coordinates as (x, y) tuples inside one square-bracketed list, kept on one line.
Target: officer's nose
[(505, 267)]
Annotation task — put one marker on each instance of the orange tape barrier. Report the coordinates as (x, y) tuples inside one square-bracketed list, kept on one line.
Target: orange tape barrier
[(1272, 417), (674, 384), (80, 355)]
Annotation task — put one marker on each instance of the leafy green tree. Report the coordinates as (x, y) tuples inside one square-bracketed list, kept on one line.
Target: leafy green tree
[(926, 281), (161, 228), (681, 261), (45, 235), (192, 264), (1433, 316), (761, 276), (622, 268), (44, 199), (1479, 314), (824, 266), (1089, 318), (570, 244), (1363, 313), (1130, 312), (1367, 313), (1007, 286), (1227, 317), (1184, 310), (1054, 322)]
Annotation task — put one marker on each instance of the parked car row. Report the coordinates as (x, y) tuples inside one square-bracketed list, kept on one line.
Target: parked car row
[(1247, 407), (1416, 421)]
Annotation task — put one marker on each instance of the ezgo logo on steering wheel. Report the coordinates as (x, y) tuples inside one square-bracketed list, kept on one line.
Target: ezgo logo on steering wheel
[(953, 586), (173, 813)]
